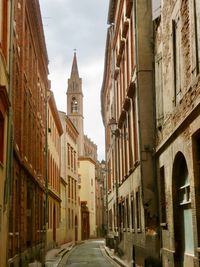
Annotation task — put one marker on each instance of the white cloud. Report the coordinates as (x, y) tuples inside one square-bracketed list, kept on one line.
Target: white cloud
[(70, 24)]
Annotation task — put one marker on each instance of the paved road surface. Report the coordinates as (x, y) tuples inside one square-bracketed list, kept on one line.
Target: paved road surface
[(88, 254)]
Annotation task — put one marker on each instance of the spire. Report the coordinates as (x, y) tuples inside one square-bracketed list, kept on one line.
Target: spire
[(74, 71)]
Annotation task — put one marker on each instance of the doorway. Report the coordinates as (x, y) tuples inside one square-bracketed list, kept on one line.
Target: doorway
[(183, 229)]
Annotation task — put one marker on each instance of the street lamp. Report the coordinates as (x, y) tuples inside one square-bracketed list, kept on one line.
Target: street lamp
[(113, 127), (115, 130)]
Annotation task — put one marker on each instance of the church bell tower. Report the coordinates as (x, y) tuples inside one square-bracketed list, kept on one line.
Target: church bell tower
[(75, 103)]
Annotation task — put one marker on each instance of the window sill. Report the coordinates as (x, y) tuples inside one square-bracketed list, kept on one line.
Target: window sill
[(185, 203)]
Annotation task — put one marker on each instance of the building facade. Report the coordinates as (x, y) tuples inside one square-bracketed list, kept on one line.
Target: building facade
[(177, 85), (87, 197), (5, 129), (128, 116), (99, 202), (27, 221), (54, 154), (70, 206)]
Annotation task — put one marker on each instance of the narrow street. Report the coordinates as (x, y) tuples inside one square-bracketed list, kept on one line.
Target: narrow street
[(90, 254)]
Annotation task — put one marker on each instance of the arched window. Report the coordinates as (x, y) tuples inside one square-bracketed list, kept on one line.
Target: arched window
[(74, 105)]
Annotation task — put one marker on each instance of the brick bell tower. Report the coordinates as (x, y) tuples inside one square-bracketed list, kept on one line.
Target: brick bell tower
[(75, 103)]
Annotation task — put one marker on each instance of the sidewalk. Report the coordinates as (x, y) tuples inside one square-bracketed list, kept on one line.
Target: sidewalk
[(54, 256), (112, 255)]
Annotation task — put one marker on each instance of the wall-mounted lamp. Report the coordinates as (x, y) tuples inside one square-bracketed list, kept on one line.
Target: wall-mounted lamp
[(113, 127), (115, 130)]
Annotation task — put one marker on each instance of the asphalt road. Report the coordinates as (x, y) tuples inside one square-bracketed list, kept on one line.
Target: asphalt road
[(89, 254)]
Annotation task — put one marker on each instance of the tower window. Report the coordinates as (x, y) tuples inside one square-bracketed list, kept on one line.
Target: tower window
[(74, 105)]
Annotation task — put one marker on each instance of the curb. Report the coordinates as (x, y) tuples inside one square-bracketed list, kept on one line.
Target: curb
[(56, 261), (115, 258)]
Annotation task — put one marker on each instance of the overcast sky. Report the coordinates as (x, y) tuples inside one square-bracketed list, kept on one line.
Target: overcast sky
[(80, 25)]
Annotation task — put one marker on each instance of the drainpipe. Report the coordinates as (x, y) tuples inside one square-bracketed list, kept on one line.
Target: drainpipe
[(138, 94), (9, 154)]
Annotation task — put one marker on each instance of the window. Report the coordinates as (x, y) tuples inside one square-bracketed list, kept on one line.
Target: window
[(159, 90), (135, 135), (1, 137), (127, 213), (74, 105), (138, 210), (109, 177), (75, 190), (184, 186), (74, 162), (114, 215), (123, 215), (132, 213), (69, 224), (69, 188), (176, 36), (68, 156), (130, 146), (72, 189)]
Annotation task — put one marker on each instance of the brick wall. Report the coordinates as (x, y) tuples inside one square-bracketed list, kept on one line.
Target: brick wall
[(30, 84)]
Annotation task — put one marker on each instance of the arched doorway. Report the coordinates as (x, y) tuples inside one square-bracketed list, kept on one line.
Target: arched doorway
[(85, 222), (183, 230)]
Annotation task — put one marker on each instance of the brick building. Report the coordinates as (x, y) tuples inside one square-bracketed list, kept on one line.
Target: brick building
[(27, 221), (128, 116), (177, 87), (5, 129)]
